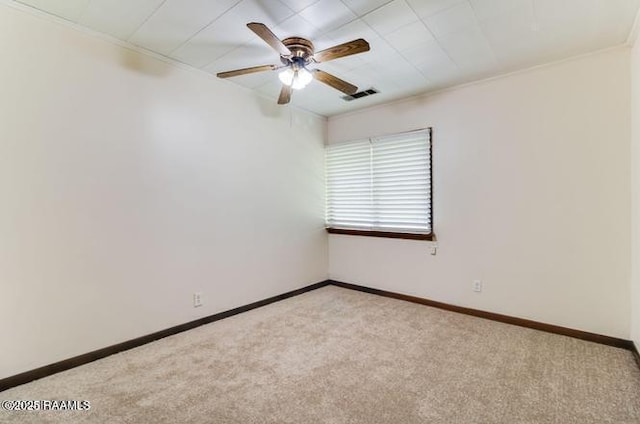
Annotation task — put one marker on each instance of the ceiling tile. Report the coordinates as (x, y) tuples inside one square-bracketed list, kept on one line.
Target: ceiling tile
[(67, 9), (488, 8), (298, 5), (408, 77), (176, 21), (380, 50), (383, 63), (391, 17), (296, 26), (322, 42), (470, 50), (581, 18), (270, 88), (396, 71), (522, 37), (213, 42), (119, 18), (452, 20), (230, 30), (568, 13), (268, 12), (363, 77), (430, 59), (248, 55), (327, 15), (339, 105), (439, 68), (362, 7), (315, 91), (526, 52), (512, 33), (510, 26), (445, 78), (351, 31), (344, 64), (426, 8), (409, 36), (316, 97), (404, 86), (337, 69)]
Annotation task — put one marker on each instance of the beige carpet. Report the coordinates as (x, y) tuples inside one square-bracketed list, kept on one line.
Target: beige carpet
[(340, 356)]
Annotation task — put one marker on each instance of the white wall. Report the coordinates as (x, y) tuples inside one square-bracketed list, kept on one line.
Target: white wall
[(128, 183), (635, 209), (532, 196)]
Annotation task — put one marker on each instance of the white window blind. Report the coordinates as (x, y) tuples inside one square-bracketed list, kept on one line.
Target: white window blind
[(381, 184)]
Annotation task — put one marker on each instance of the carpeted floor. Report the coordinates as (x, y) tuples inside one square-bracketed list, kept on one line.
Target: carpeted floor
[(339, 356)]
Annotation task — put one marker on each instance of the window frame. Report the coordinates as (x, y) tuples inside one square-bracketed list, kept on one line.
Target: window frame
[(392, 234)]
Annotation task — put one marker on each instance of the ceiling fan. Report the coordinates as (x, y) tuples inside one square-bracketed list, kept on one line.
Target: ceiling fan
[(296, 54)]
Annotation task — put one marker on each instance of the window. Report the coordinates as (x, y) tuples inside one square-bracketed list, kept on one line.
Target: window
[(381, 186)]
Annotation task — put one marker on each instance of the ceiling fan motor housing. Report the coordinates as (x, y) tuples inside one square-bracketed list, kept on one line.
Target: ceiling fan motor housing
[(301, 50)]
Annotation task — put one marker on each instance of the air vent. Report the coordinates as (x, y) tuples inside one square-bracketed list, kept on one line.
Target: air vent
[(360, 94)]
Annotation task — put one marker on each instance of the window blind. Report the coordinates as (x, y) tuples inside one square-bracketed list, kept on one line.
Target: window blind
[(381, 184)]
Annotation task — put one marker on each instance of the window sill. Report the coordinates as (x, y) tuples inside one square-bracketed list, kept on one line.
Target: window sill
[(409, 236)]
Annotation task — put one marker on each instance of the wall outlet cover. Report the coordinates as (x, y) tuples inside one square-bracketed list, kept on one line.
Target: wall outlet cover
[(197, 299), (477, 286)]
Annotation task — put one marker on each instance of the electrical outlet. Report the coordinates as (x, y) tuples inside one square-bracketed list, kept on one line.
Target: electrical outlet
[(197, 299), (477, 286)]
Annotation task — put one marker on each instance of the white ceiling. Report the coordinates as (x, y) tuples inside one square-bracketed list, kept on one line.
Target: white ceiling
[(416, 45)]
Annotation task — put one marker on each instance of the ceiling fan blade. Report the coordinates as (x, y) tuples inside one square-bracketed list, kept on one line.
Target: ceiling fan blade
[(245, 71), (342, 50), (285, 95), (269, 37), (334, 82)]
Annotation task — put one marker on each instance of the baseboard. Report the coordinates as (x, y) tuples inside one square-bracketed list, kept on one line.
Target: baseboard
[(47, 370), (636, 355), (549, 328)]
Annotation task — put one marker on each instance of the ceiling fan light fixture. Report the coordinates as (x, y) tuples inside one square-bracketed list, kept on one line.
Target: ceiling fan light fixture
[(301, 79), (295, 78), (286, 76)]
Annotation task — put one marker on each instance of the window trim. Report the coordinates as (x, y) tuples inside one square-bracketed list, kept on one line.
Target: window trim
[(409, 236), (392, 234)]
